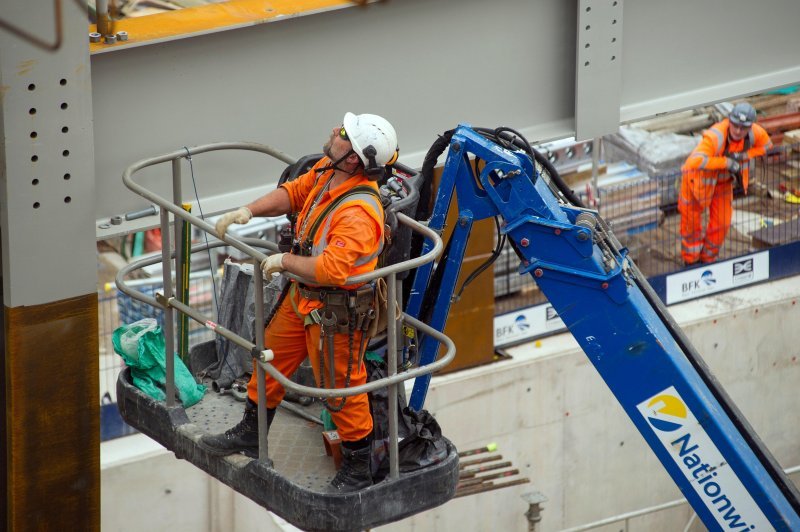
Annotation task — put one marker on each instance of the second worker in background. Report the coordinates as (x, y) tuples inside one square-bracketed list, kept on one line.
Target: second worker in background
[(708, 177)]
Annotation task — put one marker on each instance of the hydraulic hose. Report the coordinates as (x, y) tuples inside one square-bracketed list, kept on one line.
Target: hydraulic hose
[(507, 135)]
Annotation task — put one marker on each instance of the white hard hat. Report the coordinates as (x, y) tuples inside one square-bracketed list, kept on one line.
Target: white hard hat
[(373, 139)]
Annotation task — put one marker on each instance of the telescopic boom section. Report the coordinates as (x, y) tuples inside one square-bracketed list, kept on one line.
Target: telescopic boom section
[(699, 436)]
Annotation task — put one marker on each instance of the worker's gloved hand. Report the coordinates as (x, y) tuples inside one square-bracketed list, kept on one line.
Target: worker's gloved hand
[(242, 215), (735, 170), (738, 156), (733, 166), (272, 264)]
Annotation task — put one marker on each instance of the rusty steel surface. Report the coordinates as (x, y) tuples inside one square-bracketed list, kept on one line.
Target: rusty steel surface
[(52, 416)]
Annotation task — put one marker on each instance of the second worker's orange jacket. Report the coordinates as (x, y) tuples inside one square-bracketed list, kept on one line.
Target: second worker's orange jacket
[(708, 162)]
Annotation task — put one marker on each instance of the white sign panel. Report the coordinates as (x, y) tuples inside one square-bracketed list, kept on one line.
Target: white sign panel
[(525, 324), (717, 277), (701, 462)]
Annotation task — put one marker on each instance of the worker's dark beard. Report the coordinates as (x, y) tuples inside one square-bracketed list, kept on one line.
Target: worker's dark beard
[(326, 149)]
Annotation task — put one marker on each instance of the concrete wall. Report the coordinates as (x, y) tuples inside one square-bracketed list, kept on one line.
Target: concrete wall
[(549, 413)]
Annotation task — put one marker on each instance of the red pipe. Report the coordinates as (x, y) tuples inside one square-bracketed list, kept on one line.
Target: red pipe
[(780, 123)]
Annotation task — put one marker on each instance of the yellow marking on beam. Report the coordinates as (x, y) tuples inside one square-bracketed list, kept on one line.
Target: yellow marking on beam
[(209, 18)]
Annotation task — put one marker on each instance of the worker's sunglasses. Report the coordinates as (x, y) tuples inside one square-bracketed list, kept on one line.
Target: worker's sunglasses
[(343, 134)]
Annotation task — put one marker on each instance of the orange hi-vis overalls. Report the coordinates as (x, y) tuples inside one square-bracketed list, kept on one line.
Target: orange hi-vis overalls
[(347, 243), (707, 184)]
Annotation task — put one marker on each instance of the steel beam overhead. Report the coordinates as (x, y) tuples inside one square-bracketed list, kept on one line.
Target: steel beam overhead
[(426, 66)]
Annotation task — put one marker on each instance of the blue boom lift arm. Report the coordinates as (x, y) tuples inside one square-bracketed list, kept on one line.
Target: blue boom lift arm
[(695, 430)]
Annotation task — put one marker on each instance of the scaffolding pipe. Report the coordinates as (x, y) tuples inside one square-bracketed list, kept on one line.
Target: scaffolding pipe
[(169, 316), (258, 294), (391, 363)]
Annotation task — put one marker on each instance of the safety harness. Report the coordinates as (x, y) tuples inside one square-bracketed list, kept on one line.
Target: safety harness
[(343, 310), (305, 247)]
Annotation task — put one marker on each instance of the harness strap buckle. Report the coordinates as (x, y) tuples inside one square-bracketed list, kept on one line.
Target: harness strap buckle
[(315, 316)]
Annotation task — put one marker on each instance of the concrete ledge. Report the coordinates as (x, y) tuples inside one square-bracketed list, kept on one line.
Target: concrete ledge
[(549, 411)]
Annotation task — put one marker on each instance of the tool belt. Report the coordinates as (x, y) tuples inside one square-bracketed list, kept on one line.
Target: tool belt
[(345, 311), (342, 304)]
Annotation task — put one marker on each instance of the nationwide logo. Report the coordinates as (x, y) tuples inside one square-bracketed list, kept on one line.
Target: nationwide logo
[(668, 413), (522, 323), (700, 463)]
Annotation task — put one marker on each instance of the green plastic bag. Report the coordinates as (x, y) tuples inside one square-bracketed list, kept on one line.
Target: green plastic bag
[(141, 346)]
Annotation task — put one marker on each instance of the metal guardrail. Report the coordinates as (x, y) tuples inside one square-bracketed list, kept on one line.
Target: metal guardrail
[(248, 246)]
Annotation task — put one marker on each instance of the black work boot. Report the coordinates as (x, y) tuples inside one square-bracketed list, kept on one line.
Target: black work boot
[(241, 438), (355, 472)]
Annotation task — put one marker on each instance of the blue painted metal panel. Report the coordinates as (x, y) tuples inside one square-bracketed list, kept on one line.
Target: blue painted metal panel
[(451, 267), (784, 260), (593, 287)]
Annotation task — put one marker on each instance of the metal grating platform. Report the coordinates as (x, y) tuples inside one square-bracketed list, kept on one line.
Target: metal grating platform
[(296, 487), (295, 444)]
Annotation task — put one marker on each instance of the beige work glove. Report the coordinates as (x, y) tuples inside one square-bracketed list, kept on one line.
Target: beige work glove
[(272, 264), (242, 215)]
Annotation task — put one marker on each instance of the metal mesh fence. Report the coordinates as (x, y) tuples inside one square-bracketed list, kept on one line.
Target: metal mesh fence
[(641, 210), (643, 214), (116, 309)]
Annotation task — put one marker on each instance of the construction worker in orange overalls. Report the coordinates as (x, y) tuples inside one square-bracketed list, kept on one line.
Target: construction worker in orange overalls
[(708, 177), (340, 224)]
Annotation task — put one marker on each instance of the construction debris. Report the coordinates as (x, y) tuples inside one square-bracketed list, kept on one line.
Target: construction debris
[(478, 475), (792, 138), (637, 181), (653, 152)]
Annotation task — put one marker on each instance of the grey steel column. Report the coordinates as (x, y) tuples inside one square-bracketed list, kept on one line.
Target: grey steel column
[(50, 376), (598, 68), (596, 143)]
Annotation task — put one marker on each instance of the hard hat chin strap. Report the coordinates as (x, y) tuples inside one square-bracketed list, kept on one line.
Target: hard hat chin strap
[(335, 164)]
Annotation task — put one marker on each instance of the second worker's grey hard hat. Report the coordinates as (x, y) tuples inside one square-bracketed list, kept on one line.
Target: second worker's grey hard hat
[(742, 114)]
